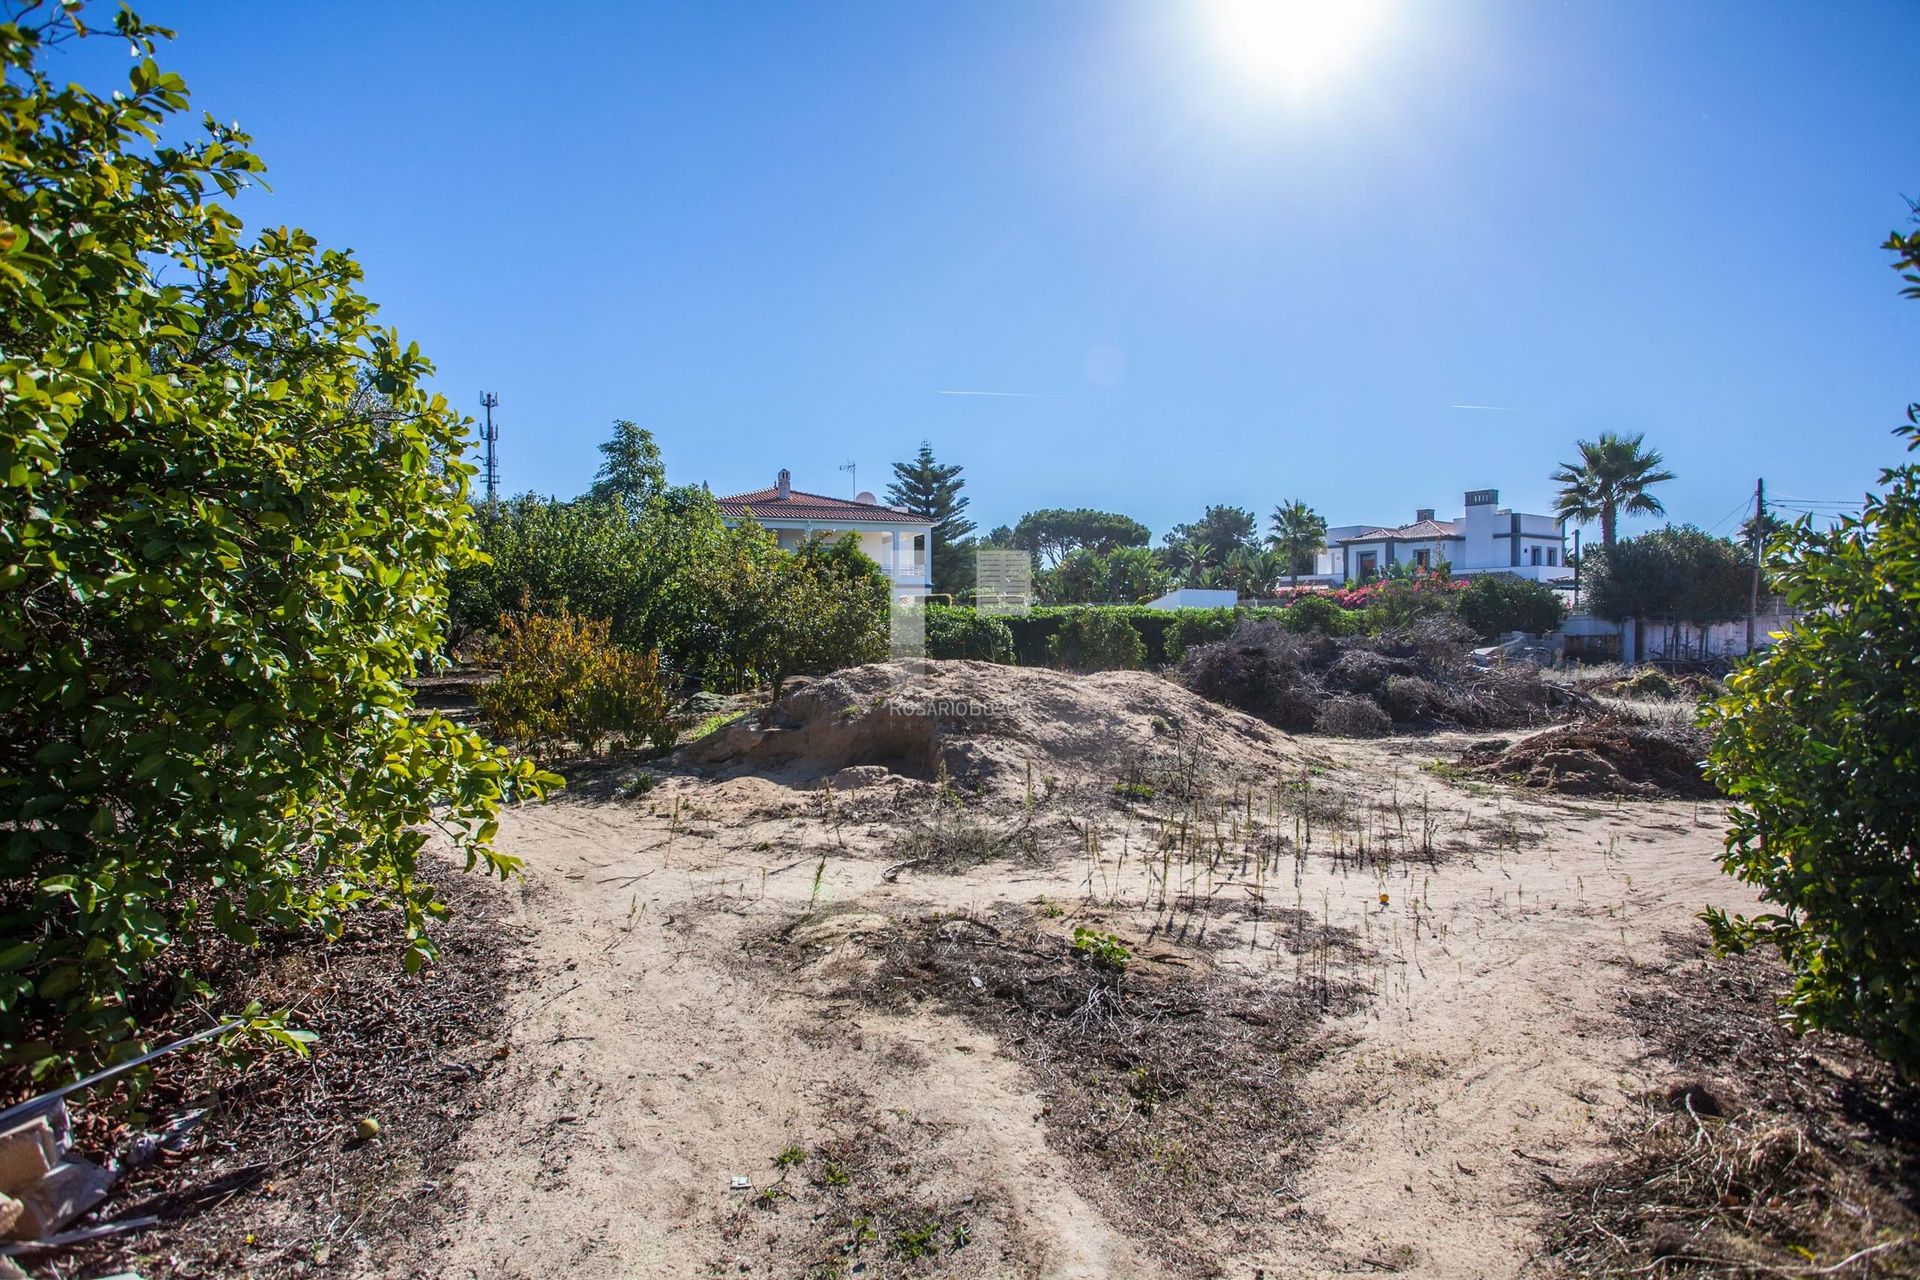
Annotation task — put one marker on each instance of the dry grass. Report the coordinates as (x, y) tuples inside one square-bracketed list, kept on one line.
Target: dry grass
[(861, 1197), (1174, 1090), (1775, 1155)]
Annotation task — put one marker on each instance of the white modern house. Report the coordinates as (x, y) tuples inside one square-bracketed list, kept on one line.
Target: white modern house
[(1488, 538), (901, 543)]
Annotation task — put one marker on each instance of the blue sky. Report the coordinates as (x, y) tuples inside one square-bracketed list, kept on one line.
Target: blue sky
[(776, 234)]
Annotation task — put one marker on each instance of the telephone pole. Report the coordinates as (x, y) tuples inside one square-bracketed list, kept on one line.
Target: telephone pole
[(490, 472), (1579, 563), (1758, 536)]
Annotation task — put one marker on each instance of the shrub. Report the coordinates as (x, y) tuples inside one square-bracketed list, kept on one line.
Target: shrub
[(228, 508), (1315, 615), (1198, 626), (1818, 744), (766, 614), (633, 562), (1495, 603), (964, 633), (1401, 601), (1097, 640), (562, 680), (1101, 950)]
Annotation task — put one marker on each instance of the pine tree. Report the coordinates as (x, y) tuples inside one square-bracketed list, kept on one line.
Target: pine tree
[(931, 490)]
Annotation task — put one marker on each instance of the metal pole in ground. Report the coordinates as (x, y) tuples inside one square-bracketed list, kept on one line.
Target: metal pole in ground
[(1758, 536)]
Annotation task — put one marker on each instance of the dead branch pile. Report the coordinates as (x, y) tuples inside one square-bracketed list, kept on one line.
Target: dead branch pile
[(1611, 754), (1360, 687)]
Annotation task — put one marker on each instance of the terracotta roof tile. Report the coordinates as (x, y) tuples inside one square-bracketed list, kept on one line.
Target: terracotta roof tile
[(766, 504)]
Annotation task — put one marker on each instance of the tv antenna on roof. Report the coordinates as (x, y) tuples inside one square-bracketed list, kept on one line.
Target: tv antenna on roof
[(853, 473), (490, 471)]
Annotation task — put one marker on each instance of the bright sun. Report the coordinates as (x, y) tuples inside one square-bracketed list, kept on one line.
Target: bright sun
[(1292, 46)]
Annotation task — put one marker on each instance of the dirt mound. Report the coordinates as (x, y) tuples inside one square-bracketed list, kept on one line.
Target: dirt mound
[(987, 724), (1609, 755), (1420, 677)]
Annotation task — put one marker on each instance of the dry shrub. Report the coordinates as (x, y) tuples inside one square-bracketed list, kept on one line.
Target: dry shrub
[(1347, 716), (1363, 670), (952, 839), (564, 682), (1411, 698), (1261, 669)]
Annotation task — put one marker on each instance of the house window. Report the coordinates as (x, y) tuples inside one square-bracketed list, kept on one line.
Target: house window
[(1420, 560), (1553, 555), (1369, 565)]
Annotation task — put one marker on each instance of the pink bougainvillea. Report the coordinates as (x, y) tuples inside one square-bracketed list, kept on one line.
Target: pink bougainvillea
[(1359, 597)]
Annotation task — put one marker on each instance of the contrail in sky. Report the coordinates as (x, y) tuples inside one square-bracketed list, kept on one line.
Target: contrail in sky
[(1012, 395), (1490, 408)]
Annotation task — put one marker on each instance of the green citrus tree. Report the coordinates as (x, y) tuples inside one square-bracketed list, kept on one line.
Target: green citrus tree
[(1818, 744), (228, 510)]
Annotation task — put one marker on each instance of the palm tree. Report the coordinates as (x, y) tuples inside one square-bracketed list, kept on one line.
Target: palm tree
[(1610, 480), (1249, 570), (1298, 532), (1191, 559)]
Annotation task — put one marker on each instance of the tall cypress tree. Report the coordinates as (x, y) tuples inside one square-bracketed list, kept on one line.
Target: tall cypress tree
[(931, 491)]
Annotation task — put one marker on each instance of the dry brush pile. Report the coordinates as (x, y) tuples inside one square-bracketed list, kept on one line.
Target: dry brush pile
[(1419, 677), (1610, 754)]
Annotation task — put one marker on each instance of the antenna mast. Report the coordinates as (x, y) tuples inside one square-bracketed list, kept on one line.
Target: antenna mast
[(490, 472), (853, 473)]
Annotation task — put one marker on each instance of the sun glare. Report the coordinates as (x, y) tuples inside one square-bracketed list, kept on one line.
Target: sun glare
[(1292, 46)]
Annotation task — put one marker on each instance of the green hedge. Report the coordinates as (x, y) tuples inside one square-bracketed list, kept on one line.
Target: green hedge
[(1093, 640), (956, 631)]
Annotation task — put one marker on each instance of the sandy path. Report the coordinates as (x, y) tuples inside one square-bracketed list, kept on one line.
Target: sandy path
[(1498, 1054), (650, 1061)]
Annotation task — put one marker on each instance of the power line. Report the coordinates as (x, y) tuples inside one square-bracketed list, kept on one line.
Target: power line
[(1780, 498), (1738, 507)]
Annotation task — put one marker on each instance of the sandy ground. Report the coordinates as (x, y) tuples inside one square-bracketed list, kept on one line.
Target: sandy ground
[(659, 1054)]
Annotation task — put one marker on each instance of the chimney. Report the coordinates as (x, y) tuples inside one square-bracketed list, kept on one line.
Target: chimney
[(1423, 513), (784, 486)]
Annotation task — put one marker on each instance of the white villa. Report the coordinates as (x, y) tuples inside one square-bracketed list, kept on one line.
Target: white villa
[(1487, 539), (900, 543)]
